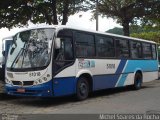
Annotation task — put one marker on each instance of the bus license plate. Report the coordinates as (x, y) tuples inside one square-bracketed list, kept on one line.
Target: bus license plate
[(21, 90)]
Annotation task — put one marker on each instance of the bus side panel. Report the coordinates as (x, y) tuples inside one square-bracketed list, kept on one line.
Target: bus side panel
[(149, 76), (104, 81), (149, 70), (64, 86), (64, 83), (125, 73), (107, 77)]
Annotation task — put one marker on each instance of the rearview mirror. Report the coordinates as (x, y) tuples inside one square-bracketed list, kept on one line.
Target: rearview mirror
[(58, 43), (3, 53), (12, 50)]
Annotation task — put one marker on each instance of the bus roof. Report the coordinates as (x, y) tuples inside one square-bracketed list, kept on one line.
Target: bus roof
[(59, 27), (8, 38)]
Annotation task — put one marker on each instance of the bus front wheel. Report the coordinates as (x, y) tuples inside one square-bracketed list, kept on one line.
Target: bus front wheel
[(82, 91), (137, 81)]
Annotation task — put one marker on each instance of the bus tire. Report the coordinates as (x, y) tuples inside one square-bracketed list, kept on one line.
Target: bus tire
[(82, 91), (137, 81)]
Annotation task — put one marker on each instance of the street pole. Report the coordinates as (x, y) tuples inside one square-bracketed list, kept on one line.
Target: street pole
[(97, 15)]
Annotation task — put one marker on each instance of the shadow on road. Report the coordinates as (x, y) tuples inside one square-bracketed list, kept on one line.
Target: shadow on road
[(4, 97), (60, 101), (48, 102)]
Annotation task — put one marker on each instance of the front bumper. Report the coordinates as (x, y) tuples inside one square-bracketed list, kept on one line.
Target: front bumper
[(42, 90)]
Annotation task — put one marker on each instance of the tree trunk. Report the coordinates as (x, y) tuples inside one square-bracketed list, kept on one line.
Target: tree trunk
[(65, 12), (55, 20), (125, 25), (48, 20)]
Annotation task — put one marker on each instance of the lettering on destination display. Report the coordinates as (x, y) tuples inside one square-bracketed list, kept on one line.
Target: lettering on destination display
[(34, 74), (86, 64)]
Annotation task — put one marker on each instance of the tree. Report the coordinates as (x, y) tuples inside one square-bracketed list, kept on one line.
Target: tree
[(133, 29), (66, 8), (154, 36), (116, 30), (142, 32), (19, 12), (122, 10), (151, 20), (126, 11)]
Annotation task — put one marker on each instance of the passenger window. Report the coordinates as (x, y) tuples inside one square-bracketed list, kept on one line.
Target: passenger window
[(136, 49), (147, 52), (105, 47), (85, 45), (66, 50), (122, 48), (154, 52), (64, 55)]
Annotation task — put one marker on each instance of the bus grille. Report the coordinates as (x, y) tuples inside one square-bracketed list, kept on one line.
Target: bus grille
[(23, 83)]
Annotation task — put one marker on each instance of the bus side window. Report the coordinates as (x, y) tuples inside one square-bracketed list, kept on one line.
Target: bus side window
[(85, 45), (64, 55), (154, 52), (66, 50), (105, 46), (122, 48), (147, 53), (136, 50)]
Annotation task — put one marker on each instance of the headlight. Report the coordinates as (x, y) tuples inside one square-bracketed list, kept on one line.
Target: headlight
[(7, 81), (41, 80), (36, 83), (44, 78)]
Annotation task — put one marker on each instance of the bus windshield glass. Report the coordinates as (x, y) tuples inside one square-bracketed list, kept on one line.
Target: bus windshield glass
[(31, 49)]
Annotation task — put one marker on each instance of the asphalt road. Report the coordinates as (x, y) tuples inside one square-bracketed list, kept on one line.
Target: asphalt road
[(119, 100)]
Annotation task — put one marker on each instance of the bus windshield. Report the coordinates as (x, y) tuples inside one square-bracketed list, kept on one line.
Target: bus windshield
[(31, 49)]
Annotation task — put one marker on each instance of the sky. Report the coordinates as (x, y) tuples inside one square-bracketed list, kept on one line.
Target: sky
[(75, 20)]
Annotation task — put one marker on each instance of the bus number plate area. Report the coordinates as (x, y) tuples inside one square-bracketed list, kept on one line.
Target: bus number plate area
[(21, 90)]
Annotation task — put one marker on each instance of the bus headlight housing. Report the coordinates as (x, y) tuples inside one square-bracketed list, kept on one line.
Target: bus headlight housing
[(7, 81), (41, 80)]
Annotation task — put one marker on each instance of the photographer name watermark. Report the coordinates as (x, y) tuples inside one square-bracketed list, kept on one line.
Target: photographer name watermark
[(150, 115), (129, 117)]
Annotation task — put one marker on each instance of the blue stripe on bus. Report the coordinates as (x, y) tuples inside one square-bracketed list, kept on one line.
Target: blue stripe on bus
[(122, 80), (145, 65), (108, 81), (133, 65), (121, 66)]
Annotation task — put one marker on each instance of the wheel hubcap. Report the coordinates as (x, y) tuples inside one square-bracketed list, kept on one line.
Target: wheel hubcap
[(138, 82), (83, 89)]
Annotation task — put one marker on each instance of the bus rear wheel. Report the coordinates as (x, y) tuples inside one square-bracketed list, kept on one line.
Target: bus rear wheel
[(82, 91), (137, 81)]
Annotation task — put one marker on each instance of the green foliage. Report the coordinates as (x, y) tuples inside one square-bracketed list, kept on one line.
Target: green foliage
[(145, 32), (152, 16), (123, 10), (133, 29), (116, 30), (154, 36), (128, 12), (19, 12)]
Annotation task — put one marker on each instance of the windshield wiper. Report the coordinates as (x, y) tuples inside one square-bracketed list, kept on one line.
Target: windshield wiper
[(17, 57)]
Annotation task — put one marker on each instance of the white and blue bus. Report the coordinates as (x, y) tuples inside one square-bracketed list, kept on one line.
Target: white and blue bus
[(59, 60)]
